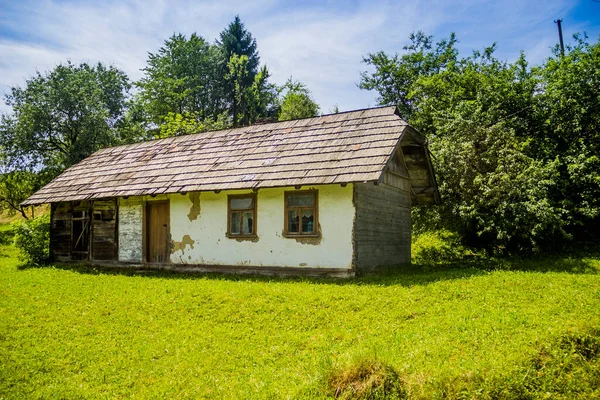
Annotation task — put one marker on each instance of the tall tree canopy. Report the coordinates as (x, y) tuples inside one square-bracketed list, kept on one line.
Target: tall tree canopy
[(515, 148), (190, 85), (57, 119), (62, 116), (236, 40), (16, 186), (395, 75), (567, 131), (240, 55), (184, 77)]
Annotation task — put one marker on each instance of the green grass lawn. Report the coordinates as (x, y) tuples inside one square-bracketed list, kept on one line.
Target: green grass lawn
[(472, 333)]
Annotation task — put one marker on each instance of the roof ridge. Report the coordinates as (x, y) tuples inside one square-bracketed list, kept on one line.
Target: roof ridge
[(347, 112)]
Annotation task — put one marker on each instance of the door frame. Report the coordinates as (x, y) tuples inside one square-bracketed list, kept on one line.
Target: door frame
[(146, 230)]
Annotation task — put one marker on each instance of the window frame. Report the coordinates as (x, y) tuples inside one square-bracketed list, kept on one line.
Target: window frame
[(286, 208), (242, 235)]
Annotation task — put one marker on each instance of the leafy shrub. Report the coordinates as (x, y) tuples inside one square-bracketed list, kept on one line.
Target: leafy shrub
[(438, 247), (368, 379), (32, 238)]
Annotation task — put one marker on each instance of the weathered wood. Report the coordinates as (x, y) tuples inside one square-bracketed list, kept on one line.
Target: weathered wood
[(396, 165), (419, 167), (393, 205), (60, 231), (104, 230), (81, 232), (381, 226), (396, 181), (233, 269), (391, 221), (381, 229)]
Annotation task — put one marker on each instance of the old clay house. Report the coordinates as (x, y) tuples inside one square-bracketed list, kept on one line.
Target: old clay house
[(325, 195)]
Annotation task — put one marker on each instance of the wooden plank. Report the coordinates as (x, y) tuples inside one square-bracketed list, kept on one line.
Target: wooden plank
[(104, 230), (60, 230)]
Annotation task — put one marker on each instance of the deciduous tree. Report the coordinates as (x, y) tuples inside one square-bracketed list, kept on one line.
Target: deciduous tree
[(479, 114), (60, 117), (567, 110)]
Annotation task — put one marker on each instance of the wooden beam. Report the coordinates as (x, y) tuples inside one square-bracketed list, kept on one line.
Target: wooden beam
[(423, 190)]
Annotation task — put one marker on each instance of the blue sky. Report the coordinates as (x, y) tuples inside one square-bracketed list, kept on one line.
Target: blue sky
[(320, 43)]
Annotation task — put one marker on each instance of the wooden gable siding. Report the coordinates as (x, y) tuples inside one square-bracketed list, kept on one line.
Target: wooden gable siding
[(382, 224)]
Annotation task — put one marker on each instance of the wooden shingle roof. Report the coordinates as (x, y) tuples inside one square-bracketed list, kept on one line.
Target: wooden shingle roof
[(338, 148)]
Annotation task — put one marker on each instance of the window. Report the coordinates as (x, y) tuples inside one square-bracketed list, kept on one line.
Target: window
[(301, 213), (241, 215)]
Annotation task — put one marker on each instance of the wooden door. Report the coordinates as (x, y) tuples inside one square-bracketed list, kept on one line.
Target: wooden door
[(157, 227)]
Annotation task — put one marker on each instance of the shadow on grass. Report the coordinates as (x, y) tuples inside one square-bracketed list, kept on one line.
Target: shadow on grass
[(563, 367), (421, 274), (383, 276), (572, 264)]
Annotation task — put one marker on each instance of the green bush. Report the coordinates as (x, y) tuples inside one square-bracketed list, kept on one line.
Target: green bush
[(32, 238), (438, 247)]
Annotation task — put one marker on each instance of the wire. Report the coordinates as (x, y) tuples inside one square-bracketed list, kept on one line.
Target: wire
[(517, 112)]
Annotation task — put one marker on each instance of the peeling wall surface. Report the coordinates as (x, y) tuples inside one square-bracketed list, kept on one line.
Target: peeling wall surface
[(130, 229), (195, 208), (203, 240)]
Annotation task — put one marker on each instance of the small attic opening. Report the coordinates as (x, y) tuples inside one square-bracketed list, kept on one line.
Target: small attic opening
[(417, 160)]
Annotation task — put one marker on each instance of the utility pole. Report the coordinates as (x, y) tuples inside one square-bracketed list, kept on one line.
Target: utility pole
[(562, 45)]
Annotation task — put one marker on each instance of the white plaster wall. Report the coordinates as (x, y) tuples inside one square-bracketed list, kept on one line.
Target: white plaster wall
[(130, 230), (211, 246)]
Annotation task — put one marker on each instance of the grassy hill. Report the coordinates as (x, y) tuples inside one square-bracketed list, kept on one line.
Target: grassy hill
[(459, 333)]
